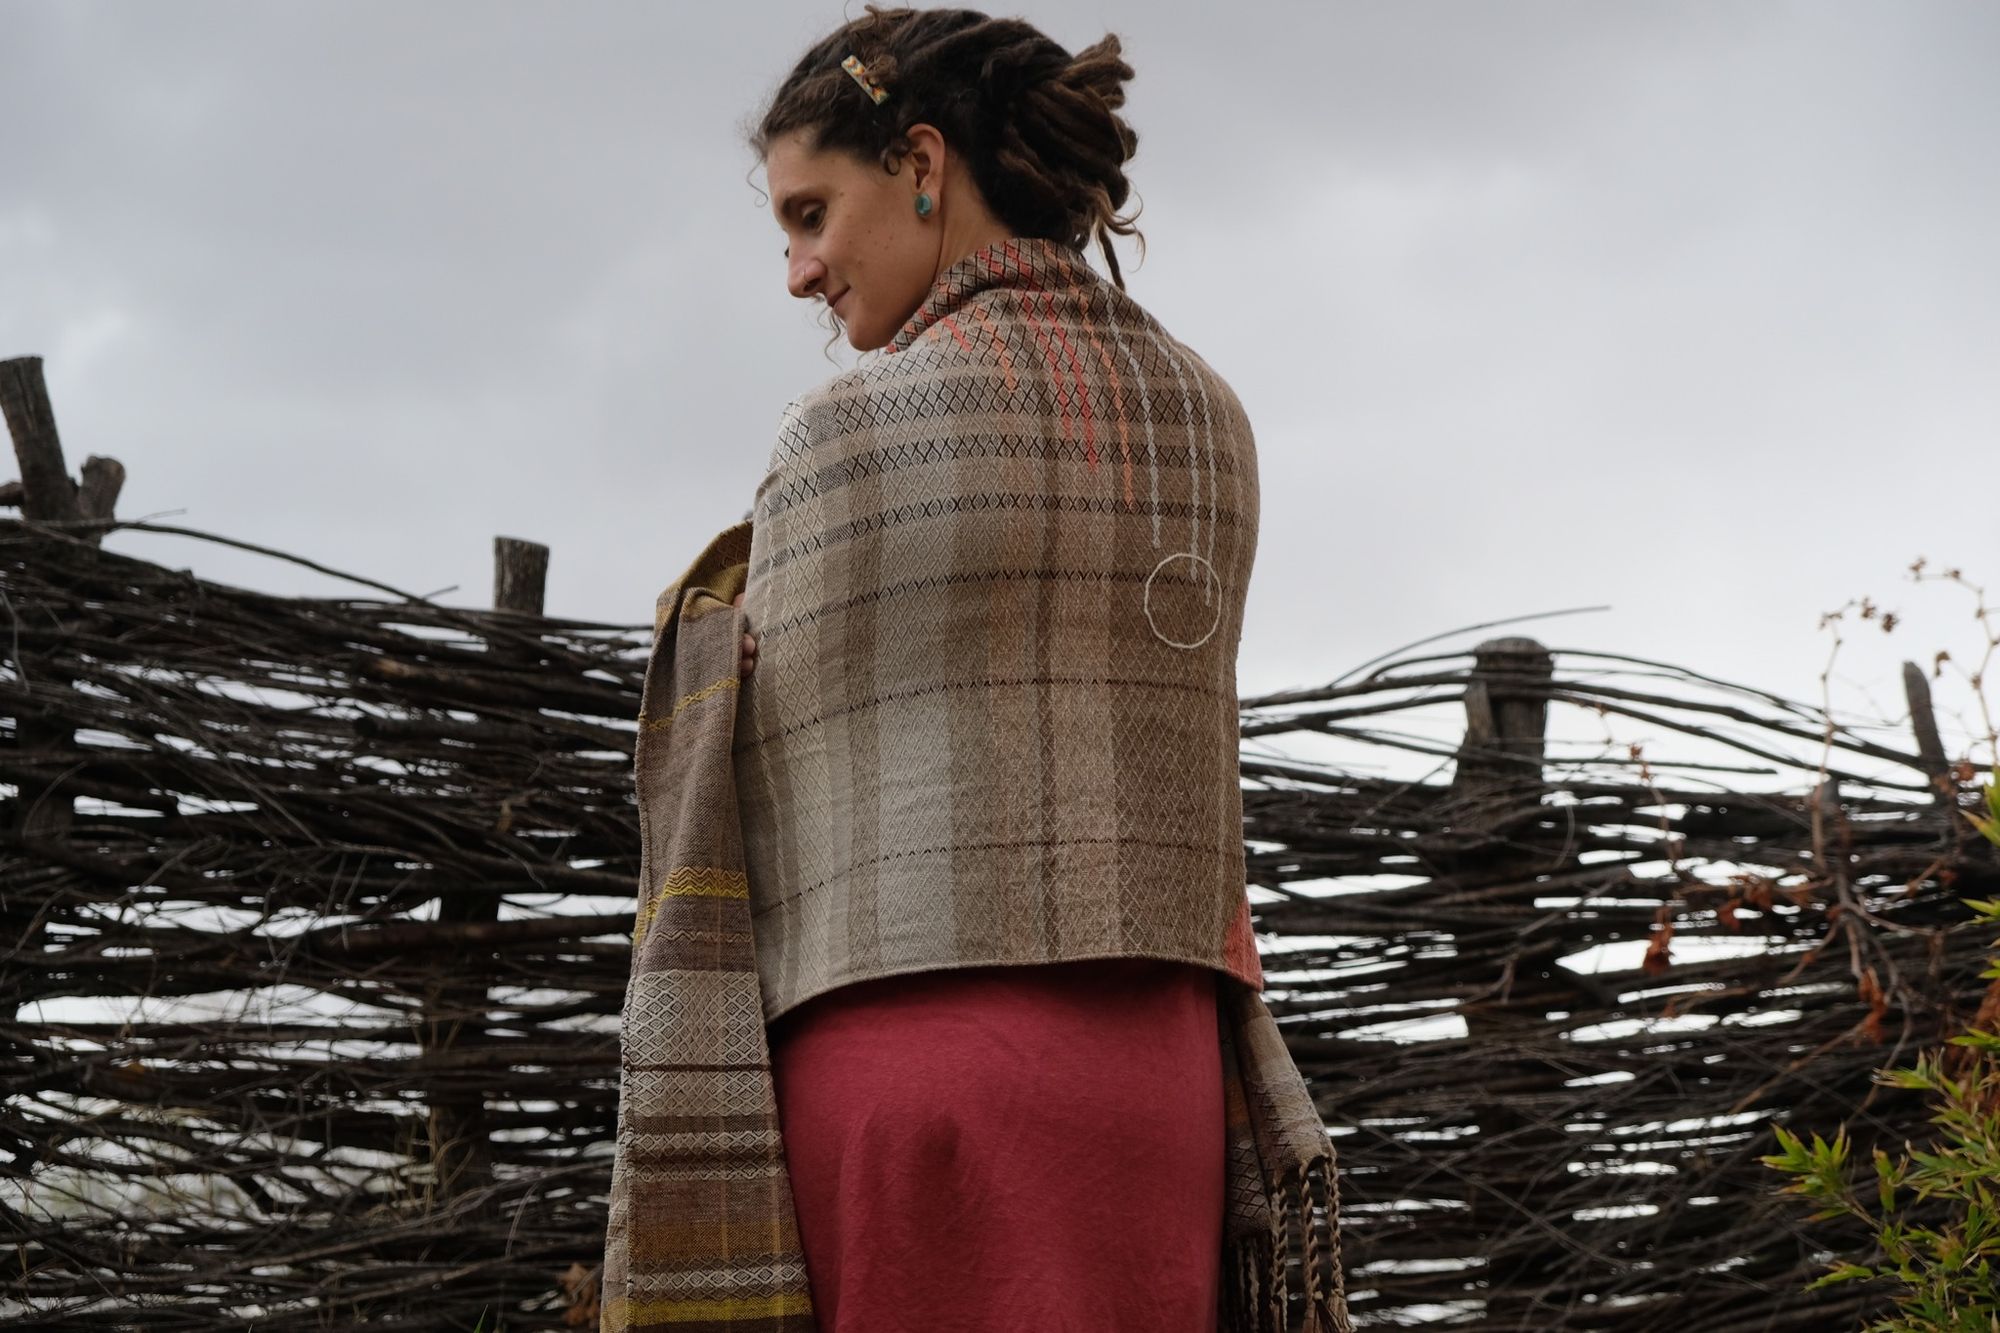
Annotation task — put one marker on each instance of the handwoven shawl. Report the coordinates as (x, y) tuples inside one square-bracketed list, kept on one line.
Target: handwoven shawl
[(702, 1235), (997, 579)]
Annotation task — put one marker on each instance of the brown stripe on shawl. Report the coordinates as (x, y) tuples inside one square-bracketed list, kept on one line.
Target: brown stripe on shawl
[(686, 1250)]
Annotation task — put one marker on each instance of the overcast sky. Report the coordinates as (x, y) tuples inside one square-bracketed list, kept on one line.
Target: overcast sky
[(1691, 310)]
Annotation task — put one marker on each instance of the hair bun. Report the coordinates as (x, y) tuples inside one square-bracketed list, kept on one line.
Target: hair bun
[(1012, 72), (1101, 70)]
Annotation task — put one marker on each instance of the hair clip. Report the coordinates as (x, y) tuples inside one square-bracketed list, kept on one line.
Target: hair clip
[(854, 66)]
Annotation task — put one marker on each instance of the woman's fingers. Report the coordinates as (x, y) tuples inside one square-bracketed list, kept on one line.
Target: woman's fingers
[(749, 651)]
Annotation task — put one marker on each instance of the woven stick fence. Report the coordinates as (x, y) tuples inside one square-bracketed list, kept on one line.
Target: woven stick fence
[(315, 919)]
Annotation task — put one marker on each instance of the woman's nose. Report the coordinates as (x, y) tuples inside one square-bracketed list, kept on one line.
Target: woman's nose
[(805, 276)]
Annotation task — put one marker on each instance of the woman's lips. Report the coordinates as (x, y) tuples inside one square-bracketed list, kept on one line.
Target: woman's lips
[(838, 299)]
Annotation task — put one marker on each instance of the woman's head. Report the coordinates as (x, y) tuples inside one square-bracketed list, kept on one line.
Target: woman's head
[(987, 124)]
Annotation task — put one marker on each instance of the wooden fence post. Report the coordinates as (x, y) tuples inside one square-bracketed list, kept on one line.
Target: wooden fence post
[(1494, 799), (1495, 793), (1506, 725), (1930, 747), (520, 575), (461, 1142), (42, 809), (45, 490)]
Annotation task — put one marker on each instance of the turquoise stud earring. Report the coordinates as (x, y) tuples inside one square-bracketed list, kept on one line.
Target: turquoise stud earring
[(923, 205)]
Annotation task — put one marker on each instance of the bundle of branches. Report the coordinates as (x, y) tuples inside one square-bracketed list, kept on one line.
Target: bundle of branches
[(316, 914), (1550, 1004)]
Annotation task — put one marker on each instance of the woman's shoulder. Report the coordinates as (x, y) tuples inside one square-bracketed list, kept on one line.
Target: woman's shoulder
[(1105, 346), (838, 405), (884, 383), (1165, 363), (872, 375)]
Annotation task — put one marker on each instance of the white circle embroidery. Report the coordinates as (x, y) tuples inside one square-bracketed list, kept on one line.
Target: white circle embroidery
[(1214, 582)]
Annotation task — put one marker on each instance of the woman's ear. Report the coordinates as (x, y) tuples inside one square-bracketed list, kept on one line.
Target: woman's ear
[(927, 153)]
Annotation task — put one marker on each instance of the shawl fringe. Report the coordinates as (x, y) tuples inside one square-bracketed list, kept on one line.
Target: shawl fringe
[(1271, 1284)]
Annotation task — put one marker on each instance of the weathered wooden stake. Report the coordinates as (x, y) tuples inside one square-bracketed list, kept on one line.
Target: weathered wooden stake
[(520, 575), (43, 811), (1930, 746), (45, 491), (1506, 725), (1494, 799), (461, 1144)]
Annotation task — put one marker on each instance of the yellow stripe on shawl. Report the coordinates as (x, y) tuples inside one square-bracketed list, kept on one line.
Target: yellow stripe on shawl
[(621, 1312), (687, 701), (692, 882)]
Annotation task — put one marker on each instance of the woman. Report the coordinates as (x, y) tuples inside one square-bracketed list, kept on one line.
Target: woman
[(985, 752)]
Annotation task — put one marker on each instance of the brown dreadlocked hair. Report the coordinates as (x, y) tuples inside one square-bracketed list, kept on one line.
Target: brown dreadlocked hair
[(1037, 126)]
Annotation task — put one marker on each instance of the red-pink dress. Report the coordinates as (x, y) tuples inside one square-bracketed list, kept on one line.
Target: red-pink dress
[(1008, 1147)]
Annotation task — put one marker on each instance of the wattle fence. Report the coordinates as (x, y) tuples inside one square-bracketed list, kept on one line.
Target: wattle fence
[(315, 917)]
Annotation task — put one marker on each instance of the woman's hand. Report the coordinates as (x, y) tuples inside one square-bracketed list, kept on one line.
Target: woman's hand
[(749, 650)]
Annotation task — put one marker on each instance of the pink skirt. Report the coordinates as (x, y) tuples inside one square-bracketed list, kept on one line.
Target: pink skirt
[(1000, 1148)]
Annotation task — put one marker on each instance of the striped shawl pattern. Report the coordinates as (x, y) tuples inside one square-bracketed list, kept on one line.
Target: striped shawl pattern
[(701, 1234), (997, 579)]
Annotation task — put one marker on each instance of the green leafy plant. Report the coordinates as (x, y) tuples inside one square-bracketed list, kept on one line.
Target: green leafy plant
[(1945, 1272), (1988, 824)]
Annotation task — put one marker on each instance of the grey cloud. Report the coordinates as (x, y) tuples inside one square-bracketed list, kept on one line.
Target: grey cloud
[(1685, 307)]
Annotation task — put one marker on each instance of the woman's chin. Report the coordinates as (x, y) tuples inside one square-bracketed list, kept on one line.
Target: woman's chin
[(863, 341)]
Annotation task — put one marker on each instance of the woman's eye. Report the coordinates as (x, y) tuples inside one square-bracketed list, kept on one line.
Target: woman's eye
[(813, 218)]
